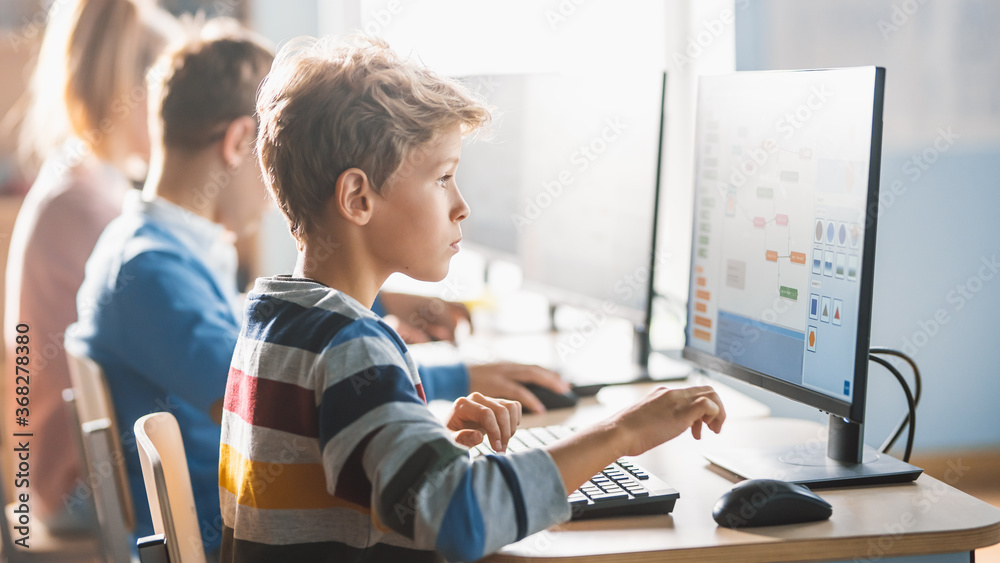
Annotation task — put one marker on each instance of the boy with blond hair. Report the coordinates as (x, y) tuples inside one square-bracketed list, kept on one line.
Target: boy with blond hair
[(159, 305), (328, 449)]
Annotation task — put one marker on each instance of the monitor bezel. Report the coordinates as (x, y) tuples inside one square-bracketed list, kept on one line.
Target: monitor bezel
[(855, 409)]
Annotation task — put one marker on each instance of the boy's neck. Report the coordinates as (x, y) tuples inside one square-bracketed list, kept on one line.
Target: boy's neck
[(185, 180), (340, 265)]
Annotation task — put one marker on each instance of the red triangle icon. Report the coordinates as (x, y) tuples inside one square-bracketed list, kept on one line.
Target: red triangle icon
[(836, 314)]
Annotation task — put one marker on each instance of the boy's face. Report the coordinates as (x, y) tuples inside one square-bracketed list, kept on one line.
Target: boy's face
[(416, 217)]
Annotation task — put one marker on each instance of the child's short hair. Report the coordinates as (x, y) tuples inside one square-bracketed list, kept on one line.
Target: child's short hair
[(203, 83), (328, 106)]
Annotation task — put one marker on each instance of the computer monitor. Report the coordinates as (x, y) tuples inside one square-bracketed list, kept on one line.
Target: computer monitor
[(566, 186), (783, 254)]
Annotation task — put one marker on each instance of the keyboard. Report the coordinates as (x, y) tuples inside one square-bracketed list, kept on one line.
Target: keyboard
[(621, 489)]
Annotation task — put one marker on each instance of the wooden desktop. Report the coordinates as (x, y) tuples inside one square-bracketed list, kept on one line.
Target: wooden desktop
[(868, 523)]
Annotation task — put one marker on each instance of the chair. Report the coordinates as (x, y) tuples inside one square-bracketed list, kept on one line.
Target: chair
[(168, 486), (93, 415)]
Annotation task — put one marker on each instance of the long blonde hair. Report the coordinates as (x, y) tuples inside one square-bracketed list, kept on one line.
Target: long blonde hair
[(90, 73)]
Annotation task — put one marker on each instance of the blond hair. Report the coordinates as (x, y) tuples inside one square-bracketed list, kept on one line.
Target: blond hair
[(203, 83), (329, 106), (90, 72)]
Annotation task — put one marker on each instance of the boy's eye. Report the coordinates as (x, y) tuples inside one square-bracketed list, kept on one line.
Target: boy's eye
[(443, 180)]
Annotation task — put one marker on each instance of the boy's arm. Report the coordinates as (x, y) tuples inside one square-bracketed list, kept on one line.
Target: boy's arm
[(525, 492), (661, 416), (424, 486), (428, 489), (444, 382), (499, 379)]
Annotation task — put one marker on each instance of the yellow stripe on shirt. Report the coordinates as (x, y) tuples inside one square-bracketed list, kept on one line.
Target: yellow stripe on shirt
[(277, 486)]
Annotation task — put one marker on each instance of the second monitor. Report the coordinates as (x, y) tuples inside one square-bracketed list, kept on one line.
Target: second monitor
[(566, 187)]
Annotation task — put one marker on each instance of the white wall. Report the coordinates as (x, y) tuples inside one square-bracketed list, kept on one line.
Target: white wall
[(460, 37)]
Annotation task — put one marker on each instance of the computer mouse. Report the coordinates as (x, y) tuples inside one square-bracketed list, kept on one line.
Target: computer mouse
[(768, 502), (551, 399)]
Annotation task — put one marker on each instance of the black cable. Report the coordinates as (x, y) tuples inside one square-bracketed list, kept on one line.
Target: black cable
[(909, 360), (917, 392), (911, 404)]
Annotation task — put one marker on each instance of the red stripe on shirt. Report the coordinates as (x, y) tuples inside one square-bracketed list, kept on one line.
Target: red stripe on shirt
[(272, 404)]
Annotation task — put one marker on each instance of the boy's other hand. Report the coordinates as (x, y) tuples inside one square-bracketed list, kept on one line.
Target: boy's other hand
[(504, 379), (420, 319), (476, 416), (665, 414)]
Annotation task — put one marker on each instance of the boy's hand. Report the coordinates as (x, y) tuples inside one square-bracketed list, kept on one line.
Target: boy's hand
[(665, 414), (474, 416), (505, 379), (421, 319), (660, 416)]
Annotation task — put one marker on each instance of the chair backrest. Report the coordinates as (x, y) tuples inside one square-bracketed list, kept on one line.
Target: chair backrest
[(92, 402), (97, 439), (168, 486)]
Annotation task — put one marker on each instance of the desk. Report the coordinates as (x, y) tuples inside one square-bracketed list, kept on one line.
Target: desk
[(868, 523)]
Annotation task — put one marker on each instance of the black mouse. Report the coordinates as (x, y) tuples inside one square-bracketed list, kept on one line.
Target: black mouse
[(551, 399), (767, 502)]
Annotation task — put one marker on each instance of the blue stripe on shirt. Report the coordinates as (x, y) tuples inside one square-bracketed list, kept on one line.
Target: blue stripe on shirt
[(273, 320), (361, 328), (462, 534), (520, 513), (348, 400)]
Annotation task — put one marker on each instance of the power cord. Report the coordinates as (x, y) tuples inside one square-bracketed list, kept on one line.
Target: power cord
[(908, 419)]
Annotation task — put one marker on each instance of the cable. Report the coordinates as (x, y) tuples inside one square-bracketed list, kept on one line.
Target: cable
[(909, 360), (917, 388), (910, 402)]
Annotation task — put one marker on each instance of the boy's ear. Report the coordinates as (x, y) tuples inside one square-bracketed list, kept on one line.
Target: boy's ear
[(353, 196), (237, 144)]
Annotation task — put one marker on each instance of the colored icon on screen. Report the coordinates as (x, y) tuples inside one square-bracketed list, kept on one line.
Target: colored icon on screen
[(855, 236)]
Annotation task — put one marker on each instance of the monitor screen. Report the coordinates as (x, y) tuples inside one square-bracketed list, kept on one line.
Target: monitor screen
[(566, 183), (787, 167)]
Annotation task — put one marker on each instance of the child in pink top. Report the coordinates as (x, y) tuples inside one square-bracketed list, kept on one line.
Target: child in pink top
[(87, 120)]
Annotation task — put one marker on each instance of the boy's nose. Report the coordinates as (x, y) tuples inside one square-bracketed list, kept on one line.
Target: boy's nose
[(462, 210)]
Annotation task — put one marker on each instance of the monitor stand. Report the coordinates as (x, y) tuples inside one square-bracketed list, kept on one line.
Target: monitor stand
[(841, 461), (657, 365)]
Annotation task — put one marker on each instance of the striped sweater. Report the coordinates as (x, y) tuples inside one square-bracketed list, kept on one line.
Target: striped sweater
[(329, 452)]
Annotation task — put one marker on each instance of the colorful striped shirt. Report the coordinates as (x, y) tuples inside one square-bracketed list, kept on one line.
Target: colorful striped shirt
[(329, 452)]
